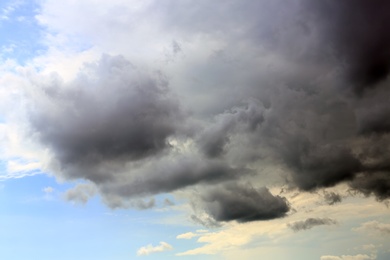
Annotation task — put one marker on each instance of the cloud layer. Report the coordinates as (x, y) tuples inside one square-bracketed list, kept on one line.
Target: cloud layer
[(192, 96)]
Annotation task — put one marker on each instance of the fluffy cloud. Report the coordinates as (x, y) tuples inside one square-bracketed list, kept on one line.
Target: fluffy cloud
[(374, 226), (150, 249)]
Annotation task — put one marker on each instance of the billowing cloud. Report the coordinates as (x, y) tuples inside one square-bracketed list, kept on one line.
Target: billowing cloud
[(265, 92), (150, 249), (111, 112), (242, 203), (310, 223)]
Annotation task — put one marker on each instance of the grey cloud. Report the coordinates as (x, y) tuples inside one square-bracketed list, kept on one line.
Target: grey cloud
[(168, 202), (165, 176), (242, 203), (310, 223), (357, 31), (332, 197), (376, 183), (323, 166), (216, 136), (113, 123), (110, 112), (81, 193), (176, 47), (142, 204), (205, 221)]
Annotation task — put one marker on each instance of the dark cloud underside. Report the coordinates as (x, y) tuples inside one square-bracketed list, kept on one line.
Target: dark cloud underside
[(243, 203), (299, 85)]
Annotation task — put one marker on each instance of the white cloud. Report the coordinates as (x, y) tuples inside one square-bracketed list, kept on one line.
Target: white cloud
[(347, 257), (48, 189), (374, 227), (150, 249), (187, 235)]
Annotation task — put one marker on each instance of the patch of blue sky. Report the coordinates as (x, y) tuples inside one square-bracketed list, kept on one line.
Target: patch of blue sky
[(34, 227), (20, 34)]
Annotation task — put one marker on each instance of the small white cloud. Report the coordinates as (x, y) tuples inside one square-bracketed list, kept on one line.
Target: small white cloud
[(347, 257), (150, 249), (187, 235), (48, 189)]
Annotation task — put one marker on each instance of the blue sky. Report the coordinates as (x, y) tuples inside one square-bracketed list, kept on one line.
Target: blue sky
[(194, 129)]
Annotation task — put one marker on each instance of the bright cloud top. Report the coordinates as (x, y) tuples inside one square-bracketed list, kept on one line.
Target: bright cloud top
[(149, 249)]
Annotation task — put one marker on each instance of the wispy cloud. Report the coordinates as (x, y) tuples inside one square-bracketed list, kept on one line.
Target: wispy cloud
[(187, 235), (20, 168), (310, 223), (150, 249), (347, 257), (374, 227)]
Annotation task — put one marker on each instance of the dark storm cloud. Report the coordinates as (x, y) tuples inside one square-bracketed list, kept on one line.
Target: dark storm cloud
[(316, 167), (243, 203), (114, 122), (357, 30), (216, 135), (110, 112), (170, 176), (310, 223), (376, 183)]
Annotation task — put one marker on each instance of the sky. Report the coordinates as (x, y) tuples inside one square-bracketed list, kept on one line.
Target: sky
[(235, 129)]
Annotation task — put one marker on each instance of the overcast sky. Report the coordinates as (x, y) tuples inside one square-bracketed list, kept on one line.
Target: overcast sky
[(195, 129)]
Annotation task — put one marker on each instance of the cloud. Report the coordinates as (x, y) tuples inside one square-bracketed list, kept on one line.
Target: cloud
[(214, 139), (310, 223), (374, 226), (344, 24), (332, 197), (48, 189), (205, 220), (81, 193), (119, 115), (347, 257), (142, 204), (149, 249), (187, 235), (377, 183), (242, 203), (267, 92)]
